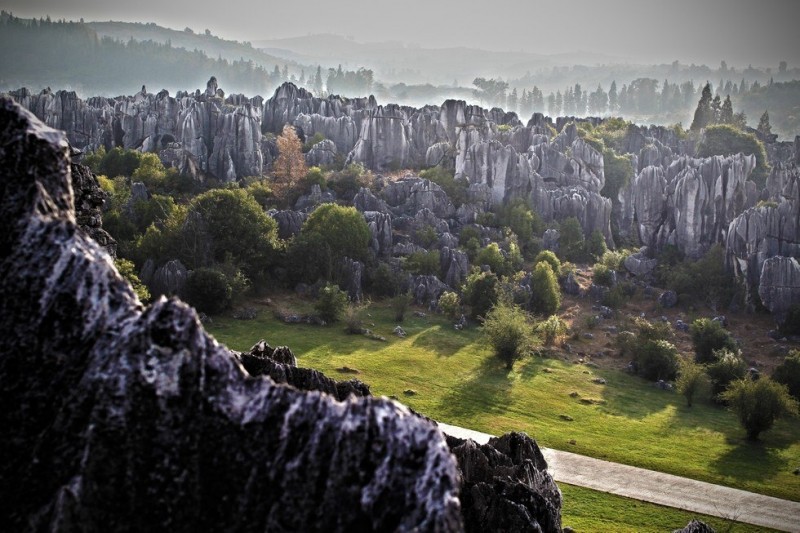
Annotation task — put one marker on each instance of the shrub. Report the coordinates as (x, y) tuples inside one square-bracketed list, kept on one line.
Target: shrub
[(631, 343), (508, 331), (571, 242), (602, 275), (261, 193), (331, 303), (551, 329), (615, 298), (208, 290), (314, 176), (352, 319), (400, 304), (546, 294), (480, 292), (758, 404), (347, 182), (596, 245), (426, 236), (614, 259), (707, 336), (657, 359), (311, 141), (728, 366), (791, 324), (550, 258), (788, 373), (692, 380), (492, 257), (382, 280), (424, 263), (450, 304), (128, 271)]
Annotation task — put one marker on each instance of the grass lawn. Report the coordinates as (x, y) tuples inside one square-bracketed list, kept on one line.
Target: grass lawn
[(452, 376), (589, 510)]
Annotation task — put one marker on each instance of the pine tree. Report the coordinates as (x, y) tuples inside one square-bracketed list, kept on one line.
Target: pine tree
[(318, 82), (716, 108), (703, 115), (764, 127), (537, 99), (512, 101), (726, 112), (613, 98)]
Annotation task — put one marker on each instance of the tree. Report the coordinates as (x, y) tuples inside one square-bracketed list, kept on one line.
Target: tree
[(788, 373), (613, 98), (707, 336), (724, 139), (229, 222), (330, 233), (508, 330), (764, 127), (208, 290), (480, 292), (550, 258), (692, 380), (657, 360), (492, 257), (703, 115), (726, 112), (127, 270), (331, 303), (728, 366), (546, 294), (491, 91), (290, 167), (450, 304), (758, 403)]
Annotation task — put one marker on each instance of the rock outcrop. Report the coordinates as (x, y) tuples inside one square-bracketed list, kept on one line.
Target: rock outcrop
[(779, 286), (116, 414), (89, 201), (124, 417)]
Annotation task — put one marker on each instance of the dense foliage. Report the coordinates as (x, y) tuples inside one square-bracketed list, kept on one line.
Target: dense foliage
[(508, 330), (758, 404)]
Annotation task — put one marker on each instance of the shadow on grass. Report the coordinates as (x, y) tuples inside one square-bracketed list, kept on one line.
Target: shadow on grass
[(439, 341), (633, 397), (487, 391), (752, 460)]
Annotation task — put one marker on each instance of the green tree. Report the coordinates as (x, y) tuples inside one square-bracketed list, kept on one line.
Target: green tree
[(208, 290), (692, 380), (492, 257), (151, 172), (707, 336), (764, 126), (724, 139), (759, 403), (727, 366), (788, 373), (232, 223), (657, 359), (331, 303), (552, 329), (703, 115), (426, 263), (550, 258), (480, 292), (571, 241), (726, 112), (508, 330), (546, 294), (450, 304), (127, 270), (330, 233)]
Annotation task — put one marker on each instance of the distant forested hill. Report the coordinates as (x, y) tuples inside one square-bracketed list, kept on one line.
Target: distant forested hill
[(59, 54)]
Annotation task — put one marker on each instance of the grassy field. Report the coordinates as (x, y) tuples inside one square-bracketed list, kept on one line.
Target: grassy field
[(589, 510), (451, 376)]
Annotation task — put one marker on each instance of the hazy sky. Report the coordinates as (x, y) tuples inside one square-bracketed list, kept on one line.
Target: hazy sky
[(761, 32)]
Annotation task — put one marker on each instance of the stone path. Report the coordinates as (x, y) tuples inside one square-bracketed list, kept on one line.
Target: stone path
[(663, 489)]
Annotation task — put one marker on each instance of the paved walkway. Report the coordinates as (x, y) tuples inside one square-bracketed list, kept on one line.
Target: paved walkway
[(663, 489)]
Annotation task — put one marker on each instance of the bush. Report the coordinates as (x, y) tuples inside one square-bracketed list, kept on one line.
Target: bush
[(127, 270), (493, 257), (552, 329), (631, 343), (424, 263), (707, 336), (723, 139), (602, 275), (450, 304), (546, 294), (400, 305), (331, 303), (758, 404), (314, 176), (208, 290), (728, 366), (348, 182), (383, 281), (311, 141), (456, 190), (657, 359), (788, 373), (596, 245), (614, 259), (352, 319), (571, 241), (692, 380), (480, 292), (791, 325), (550, 258), (508, 331), (705, 280)]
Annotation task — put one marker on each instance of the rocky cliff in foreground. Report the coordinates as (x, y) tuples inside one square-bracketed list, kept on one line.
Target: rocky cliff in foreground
[(118, 417)]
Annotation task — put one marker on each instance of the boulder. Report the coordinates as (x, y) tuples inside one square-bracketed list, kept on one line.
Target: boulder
[(321, 154), (570, 285), (779, 286), (695, 526), (169, 280), (668, 299), (128, 426), (639, 264)]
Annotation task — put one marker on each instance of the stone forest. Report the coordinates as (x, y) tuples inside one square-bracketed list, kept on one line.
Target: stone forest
[(315, 312)]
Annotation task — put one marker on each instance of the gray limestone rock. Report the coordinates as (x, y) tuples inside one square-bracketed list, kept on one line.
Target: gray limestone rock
[(779, 286), (668, 299), (350, 275), (127, 428), (89, 201), (454, 265), (427, 289), (696, 526), (321, 154), (365, 201), (380, 228), (169, 280), (289, 222), (550, 239), (639, 265)]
